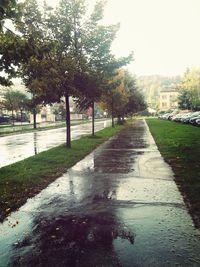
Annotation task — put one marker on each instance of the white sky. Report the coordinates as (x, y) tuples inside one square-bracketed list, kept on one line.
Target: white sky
[(163, 34)]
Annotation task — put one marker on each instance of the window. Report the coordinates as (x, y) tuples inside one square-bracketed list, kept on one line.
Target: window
[(164, 97)]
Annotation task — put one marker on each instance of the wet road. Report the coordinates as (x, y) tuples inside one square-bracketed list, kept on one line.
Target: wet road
[(117, 207), (20, 146)]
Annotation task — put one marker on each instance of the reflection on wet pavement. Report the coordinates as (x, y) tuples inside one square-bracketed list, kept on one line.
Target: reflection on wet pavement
[(20, 146), (117, 207)]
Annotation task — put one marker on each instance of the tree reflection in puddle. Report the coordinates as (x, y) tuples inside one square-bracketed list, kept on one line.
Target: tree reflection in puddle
[(73, 241)]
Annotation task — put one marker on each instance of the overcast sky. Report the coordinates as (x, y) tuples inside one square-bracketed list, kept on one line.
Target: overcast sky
[(163, 34)]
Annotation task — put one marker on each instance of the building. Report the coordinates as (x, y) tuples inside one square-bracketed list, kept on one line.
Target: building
[(169, 98)]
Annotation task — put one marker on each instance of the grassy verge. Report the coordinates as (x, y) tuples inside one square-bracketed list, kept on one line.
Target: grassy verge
[(40, 128), (30, 130), (26, 178), (180, 146)]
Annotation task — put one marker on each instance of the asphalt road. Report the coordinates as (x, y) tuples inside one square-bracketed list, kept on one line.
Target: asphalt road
[(17, 147), (118, 207)]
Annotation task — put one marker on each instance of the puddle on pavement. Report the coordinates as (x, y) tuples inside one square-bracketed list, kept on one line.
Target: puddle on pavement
[(114, 161), (72, 241)]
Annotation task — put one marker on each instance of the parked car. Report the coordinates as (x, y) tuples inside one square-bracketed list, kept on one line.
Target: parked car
[(4, 118), (172, 114), (193, 119), (178, 117), (198, 122), (164, 116), (160, 116), (20, 117), (186, 116)]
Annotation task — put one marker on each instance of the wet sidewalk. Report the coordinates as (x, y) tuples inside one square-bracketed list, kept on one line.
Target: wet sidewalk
[(118, 207)]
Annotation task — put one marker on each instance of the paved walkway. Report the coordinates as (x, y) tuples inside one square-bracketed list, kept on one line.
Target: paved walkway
[(119, 206)]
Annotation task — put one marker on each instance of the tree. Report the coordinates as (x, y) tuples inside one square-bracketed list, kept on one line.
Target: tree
[(91, 88), (136, 100), (101, 64), (69, 66), (59, 110), (190, 90), (10, 42), (23, 103), (8, 10), (15, 100), (185, 99), (67, 58), (115, 98), (32, 29), (124, 98)]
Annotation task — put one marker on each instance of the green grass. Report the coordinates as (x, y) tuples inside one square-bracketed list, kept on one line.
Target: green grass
[(26, 178), (11, 132), (179, 144), (26, 129)]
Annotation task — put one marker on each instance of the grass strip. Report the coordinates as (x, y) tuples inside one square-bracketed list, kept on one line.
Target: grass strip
[(42, 128), (26, 178), (30, 130), (179, 144)]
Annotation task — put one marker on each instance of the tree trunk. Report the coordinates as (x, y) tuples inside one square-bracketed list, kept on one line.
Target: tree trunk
[(92, 118), (13, 117), (119, 119), (68, 126), (113, 122), (21, 116), (34, 118)]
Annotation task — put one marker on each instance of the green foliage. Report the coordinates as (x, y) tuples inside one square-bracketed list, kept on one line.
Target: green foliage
[(190, 94), (136, 100), (33, 33), (15, 100), (11, 49), (123, 98), (59, 109), (185, 99), (10, 45), (68, 53), (8, 10)]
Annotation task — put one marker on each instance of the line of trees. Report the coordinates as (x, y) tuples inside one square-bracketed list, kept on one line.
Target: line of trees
[(123, 98), (64, 53)]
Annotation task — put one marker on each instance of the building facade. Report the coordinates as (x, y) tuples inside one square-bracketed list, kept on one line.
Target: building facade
[(169, 98)]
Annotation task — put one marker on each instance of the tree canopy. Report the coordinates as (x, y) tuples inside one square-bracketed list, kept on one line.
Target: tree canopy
[(64, 52), (124, 97), (189, 97)]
